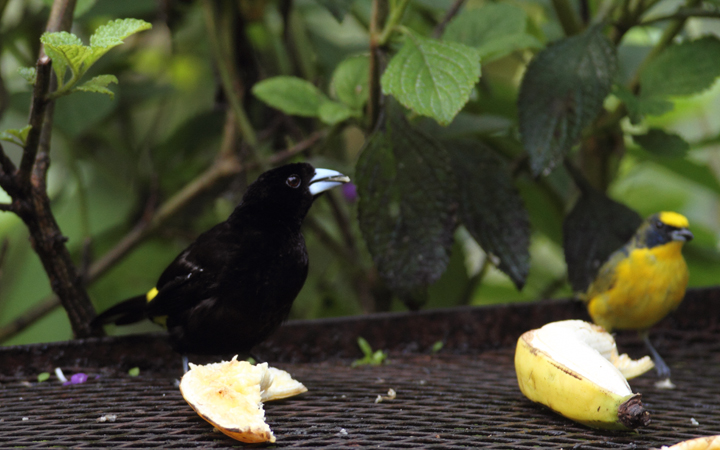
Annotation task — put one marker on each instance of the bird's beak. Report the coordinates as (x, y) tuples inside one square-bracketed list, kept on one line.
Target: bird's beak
[(681, 234), (325, 179)]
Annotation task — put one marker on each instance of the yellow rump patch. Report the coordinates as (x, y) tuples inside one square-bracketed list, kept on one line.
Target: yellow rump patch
[(674, 219), (160, 320), (151, 294)]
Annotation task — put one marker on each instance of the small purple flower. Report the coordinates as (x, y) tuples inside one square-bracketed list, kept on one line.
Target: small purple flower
[(349, 191), (77, 378)]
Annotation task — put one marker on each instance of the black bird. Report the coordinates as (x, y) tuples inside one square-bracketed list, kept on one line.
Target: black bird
[(234, 286)]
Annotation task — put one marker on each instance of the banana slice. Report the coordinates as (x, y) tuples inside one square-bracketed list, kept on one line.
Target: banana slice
[(230, 395), (703, 443), (570, 367)]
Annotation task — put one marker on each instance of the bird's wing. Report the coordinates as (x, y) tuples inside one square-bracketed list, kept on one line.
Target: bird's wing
[(607, 275), (191, 277)]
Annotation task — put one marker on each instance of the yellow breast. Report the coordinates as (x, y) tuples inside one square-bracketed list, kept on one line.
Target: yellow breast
[(648, 284)]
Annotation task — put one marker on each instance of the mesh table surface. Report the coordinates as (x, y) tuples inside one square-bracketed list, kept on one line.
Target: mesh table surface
[(443, 401)]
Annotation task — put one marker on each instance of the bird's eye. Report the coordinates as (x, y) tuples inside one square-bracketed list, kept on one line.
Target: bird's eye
[(293, 181), (659, 225)]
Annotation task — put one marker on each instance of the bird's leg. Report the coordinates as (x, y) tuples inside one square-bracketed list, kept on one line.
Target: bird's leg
[(185, 364), (663, 370)]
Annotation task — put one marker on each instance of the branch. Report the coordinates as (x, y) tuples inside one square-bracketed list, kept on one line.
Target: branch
[(37, 118), (30, 316), (6, 207), (450, 15)]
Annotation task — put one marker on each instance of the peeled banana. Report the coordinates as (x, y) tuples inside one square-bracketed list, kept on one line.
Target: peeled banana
[(703, 443), (573, 367)]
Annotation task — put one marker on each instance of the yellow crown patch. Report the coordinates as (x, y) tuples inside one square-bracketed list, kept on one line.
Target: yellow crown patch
[(674, 219)]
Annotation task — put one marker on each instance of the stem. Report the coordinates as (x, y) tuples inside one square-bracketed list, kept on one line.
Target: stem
[(682, 14), (665, 40), (228, 77), (396, 14), (378, 15), (568, 18)]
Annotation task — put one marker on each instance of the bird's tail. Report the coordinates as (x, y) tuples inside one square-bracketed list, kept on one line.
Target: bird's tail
[(129, 311)]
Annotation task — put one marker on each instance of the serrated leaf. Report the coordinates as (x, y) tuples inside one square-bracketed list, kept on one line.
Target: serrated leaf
[(16, 136), (662, 143), (432, 78), (682, 69), (638, 107), (561, 93), (28, 73), (333, 112), (406, 208), (496, 30), (350, 81), (65, 50), (111, 35), (290, 95), (338, 8), (490, 207), (114, 32), (592, 231), (99, 84)]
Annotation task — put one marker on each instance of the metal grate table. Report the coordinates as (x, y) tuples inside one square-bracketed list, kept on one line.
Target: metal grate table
[(465, 396)]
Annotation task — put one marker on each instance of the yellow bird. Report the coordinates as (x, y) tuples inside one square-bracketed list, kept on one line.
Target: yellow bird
[(643, 281)]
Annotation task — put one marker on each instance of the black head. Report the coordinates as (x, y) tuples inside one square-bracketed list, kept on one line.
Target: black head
[(287, 192), (662, 228)]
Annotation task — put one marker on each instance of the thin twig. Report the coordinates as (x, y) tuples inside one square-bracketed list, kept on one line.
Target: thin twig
[(228, 77), (682, 14), (450, 15), (28, 317)]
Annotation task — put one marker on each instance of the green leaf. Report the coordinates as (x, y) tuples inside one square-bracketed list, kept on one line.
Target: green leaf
[(406, 209), (16, 136), (561, 93), (592, 231), (638, 107), (43, 376), (290, 95), (99, 84), (65, 50), (135, 371), (437, 346), (495, 30), (111, 35), (28, 73), (682, 69), (661, 143), (491, 208), (350, 81), (333, 112), (432, 78), (338, 8), (370, 358)]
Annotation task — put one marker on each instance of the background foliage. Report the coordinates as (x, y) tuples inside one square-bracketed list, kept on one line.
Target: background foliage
[(453, 118)]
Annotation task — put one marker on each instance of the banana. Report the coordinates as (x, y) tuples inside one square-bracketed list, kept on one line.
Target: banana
[(703, 443), (570, 367)]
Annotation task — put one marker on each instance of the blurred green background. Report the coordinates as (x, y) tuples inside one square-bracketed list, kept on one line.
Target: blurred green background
[(110, 158)]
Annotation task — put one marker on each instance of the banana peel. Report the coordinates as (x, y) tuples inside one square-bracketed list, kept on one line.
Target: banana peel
[(573, 367)]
